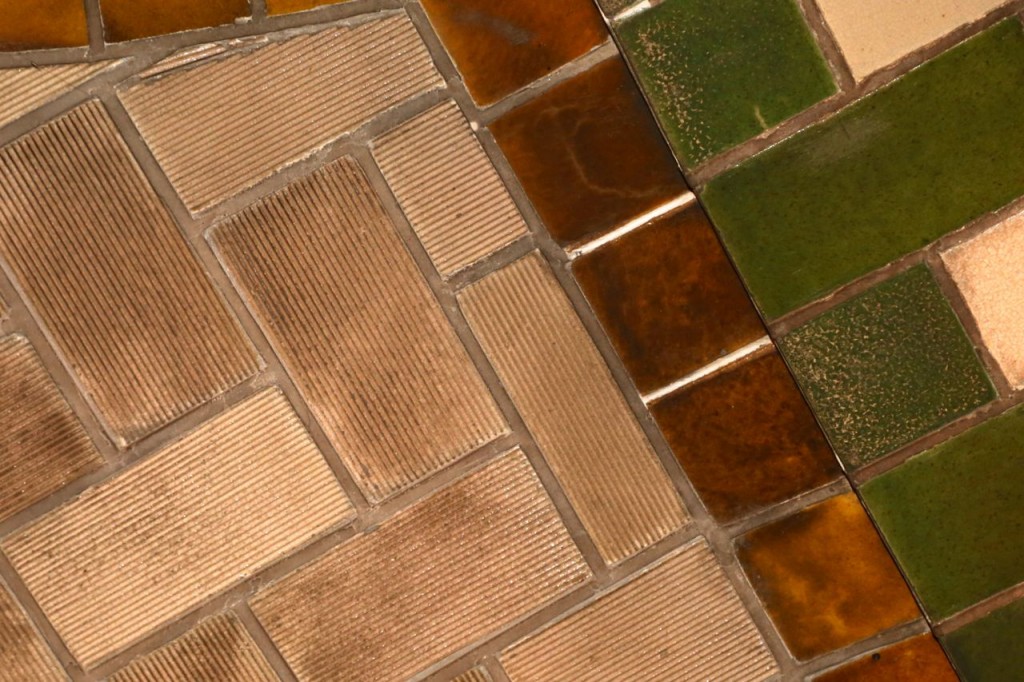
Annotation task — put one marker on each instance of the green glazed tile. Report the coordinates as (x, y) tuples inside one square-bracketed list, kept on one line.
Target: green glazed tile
[(719, 73), (882, 178), (954, 516), (991, 649), (887, 367)]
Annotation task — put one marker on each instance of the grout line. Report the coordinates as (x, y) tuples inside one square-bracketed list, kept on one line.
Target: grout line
[(781, 510), (833, 54), (641, 220), (263, 642), (258, 11), (981, 609), (707, 370), (632, 11), (94, 24), (833, 659)]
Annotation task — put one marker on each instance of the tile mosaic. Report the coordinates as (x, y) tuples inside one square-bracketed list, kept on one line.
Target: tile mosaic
[(111, 278), (920, 659), (991, 649), (885, 176), (133, 19), (825, 577), (132, 554), (42, 24), (288, 6), (474, 675), (23, 654), (28, 88), (445, 573), (589, 154), (358, 329), (887, 367), (588, 435)]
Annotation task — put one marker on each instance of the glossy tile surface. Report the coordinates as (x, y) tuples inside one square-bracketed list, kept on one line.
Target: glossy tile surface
[(25, 89), (991, 649), (42, 23), (289, 6), (132, 19), (919, 659), (23, 654)]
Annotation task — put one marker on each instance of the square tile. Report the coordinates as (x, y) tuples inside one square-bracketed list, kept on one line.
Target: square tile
[(42, 24), (133, 19), (919, 659), (991, 649)]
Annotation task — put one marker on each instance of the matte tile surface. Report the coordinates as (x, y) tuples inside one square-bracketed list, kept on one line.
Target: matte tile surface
[(920, 659), (42, 23), (474, 675), (991, 649), (131, 19), (23, 654), (28, 88)]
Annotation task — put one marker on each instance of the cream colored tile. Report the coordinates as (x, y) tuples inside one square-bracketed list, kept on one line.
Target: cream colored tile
[(474, 675), (29, 88)]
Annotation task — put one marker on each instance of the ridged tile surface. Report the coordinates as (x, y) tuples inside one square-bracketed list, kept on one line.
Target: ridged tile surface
[(358, 329), (474, 675), (28, 88), (23, 655), (241, 491), (439, 576), (224, 126), (574, 409), (111, 277)]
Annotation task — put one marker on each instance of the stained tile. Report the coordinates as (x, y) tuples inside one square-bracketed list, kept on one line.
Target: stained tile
[(825, 577), (42, 24), (23, 655), (131, 19), (500, 47), (668, 298), (681, 620), (885, 176), (288, 6), (587, 433), (588, 153), (887, 367), (28, 88), (474, 675), (113, 281), (991, 649), (454, 568), (359, 331), (913, 660), (746, 438), (135, 552)]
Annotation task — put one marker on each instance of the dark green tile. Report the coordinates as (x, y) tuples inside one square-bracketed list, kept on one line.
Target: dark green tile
[(991, 649), (887, 367), (954, 516), (719, 73), (884, 177)]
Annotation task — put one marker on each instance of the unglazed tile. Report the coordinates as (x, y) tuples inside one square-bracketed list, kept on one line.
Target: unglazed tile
[(448, 188), (112, 279), (441, 575), (28, 88), (132, 19), (221, 127), (474, 675), (572, 406), (42, 24), (358, 329), (918, 659), (991, 649), (825, 577), (135, 552), (23, 654)]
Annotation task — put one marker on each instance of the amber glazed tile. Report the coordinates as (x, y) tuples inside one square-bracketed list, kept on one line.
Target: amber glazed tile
[(131, 19), (680, 621), (357, 327), (589, 154), (445, 573), (668, 298), (221, 127), (28, 88), (202, 514), (500, 47), (448, 188), (571, 404), (111, 277), (920, 659), (825, 577), (289, 6), (23, 654), (42, 23)]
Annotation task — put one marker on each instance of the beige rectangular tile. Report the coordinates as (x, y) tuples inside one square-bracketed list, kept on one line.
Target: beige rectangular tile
[(111, 278), (474, 675), (243, 490), (223, 126), (25, 89), (23, 654), (447, 572), (358, 329), (571, 404)]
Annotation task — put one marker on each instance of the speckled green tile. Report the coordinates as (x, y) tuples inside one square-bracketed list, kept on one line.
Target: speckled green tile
[(887, 367), (719, 73), (991, 649), (882, 178)]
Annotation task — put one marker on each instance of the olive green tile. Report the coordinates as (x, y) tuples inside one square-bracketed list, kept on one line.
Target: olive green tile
[(887, 367), (882, 178), (719, 73), (991, 649)]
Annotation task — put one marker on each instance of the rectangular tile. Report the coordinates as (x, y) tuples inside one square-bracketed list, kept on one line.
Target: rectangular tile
[(990, 649), (918, 659), (474, 675), (28, 88), (134, 19), (36, 25), (289, 6), (23, 654)]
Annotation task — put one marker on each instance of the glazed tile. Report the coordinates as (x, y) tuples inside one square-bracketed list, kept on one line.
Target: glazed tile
[(991, 649), (133, 19), (23, 654), (613, 7), (28, 88), (887, 175), (289, 6), (919, 659), (887, 367), (42, 24)]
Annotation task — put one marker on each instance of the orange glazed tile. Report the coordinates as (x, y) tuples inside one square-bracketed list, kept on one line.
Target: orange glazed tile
[(33, 24), (25, 89), (920, 659), (23, 655), (131, 19), (825, 577), (289, 6)]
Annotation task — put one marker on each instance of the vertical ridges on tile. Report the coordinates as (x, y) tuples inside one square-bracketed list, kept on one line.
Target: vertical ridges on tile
[(23, 655), (24, 89), (474, 675)]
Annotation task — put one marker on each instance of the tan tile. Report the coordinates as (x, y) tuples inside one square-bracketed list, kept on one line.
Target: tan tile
[(680, 621), (358, 329), (474, 675), (31, 87), (223, 126), (23, 655), (448, 188), (573, 407), (111, 277), (445, 573), (204, 513)]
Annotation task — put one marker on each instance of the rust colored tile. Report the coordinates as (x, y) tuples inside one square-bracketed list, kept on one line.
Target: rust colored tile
[(23, 655), (289, 6), (500, 47), (132, 19), (132, 554), (358, 329), (111, 277), (746, 438), (28, 88), (920, 659), (42, 23), (448, 188), (589, 154), (474, 675), (825, 577), (441, 575), (680, 621), (571, 404), (223, 126)]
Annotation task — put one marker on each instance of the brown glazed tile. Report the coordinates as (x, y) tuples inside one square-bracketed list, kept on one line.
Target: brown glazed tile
[(25, 89), (145, 547), (289, 6), (111, 277), (443, 574), (920, 659), (23, 654), (668, 297), (746, 438), (825, 577), (589, 154), (500, 47), (358, 329), (132, 19), (42, 23)]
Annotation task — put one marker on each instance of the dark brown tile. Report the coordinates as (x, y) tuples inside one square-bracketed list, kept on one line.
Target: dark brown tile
[(33, 24), (131, 19), (919, 659)]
